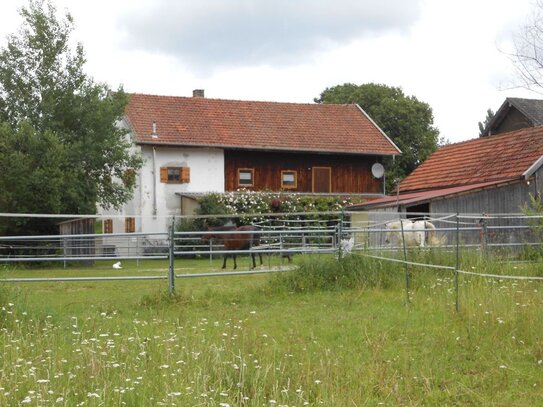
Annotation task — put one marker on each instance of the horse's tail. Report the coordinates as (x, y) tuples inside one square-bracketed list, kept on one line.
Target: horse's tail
[(431, 234)]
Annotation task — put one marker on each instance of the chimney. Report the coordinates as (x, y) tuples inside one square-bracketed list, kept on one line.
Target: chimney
[(154, 133), (198, 93)]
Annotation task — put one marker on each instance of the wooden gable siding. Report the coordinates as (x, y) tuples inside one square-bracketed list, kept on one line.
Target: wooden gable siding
[(514, 120), (349, 174)]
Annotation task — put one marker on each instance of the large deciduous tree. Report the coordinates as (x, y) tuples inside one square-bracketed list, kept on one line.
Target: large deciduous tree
[(59, 133), (406, 120)]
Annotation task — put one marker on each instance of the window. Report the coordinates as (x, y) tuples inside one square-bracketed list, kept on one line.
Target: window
[(108, 226), (246, 177), (130, 225), (289, 179), (175, 175)]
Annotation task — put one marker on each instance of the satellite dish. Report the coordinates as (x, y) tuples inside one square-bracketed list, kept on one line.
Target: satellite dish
[(378, 170)]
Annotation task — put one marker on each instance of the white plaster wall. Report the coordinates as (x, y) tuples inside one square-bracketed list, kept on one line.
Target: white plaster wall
[(206, 175)]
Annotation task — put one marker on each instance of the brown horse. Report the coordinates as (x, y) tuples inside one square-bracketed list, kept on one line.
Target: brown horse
[(235, 241)]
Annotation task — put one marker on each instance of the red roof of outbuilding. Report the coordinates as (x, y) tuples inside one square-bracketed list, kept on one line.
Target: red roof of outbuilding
[(496, 158), (194, 121)]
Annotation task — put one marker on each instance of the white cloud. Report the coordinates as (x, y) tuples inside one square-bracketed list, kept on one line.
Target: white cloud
[(444, 53), (209, 35)]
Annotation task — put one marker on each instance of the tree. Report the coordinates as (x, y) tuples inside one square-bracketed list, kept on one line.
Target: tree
[(45, 96), (406, 120), (528, 54), (482, 125), (32, 180)]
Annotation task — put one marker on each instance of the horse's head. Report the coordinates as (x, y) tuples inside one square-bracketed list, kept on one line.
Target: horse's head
[(208, 236), (392, 229)]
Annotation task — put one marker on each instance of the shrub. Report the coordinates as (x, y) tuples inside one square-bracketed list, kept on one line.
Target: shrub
[(255, 203)]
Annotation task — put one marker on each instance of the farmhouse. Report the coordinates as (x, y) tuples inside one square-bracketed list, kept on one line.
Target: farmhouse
[(194, 145), (486, 175)]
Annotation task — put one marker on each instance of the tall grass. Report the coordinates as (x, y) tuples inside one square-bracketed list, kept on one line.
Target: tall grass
[(333, 333)]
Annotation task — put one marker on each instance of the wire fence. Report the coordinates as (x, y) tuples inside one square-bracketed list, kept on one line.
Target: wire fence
[(385, 236)]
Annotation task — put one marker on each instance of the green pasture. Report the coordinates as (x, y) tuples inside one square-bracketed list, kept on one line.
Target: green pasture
[(330, 333)]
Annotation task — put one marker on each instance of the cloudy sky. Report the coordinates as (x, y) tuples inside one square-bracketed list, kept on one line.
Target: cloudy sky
[(450, 54)]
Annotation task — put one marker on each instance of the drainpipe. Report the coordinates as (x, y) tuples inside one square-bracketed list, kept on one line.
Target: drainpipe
[(154, 182)]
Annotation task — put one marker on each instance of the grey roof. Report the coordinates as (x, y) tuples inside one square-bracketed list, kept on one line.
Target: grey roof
[(532, 109)]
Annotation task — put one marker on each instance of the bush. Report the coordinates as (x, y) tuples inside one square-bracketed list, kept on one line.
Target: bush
[(255, 203)]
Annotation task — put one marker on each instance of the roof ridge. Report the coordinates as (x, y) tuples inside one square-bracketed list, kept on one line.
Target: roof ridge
[(255, 124), (492, 138), (240, 100)]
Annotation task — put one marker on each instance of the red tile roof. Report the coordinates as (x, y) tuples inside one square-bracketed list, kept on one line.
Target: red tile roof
[(423, 196), (190, 121), (502, 157)]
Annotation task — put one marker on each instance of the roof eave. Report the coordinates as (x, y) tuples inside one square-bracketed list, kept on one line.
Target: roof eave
[(380, 130), (533, 168), (268, 148)]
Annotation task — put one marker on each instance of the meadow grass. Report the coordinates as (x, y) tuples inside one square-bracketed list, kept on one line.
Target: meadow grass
[(330, 333)]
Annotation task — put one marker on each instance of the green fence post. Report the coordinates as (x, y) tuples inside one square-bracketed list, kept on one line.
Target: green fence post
[(405, 263), (457, 267), (171, 270)]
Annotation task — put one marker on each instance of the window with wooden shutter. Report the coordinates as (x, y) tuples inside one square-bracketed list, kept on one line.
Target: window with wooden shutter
[(130, 225), (185, 175), (164, 174), (108, 226), (175, 175)]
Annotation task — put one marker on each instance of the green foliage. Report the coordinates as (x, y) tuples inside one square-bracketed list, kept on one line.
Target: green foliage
[(33, 177), (406, 120), (45, 93), (255, 203)]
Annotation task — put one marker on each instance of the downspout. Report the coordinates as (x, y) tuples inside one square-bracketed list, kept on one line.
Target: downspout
[(154, 182)]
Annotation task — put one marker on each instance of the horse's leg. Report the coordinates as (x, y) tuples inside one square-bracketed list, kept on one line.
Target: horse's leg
[(260, 257), (224, 260), (235, 264), (254, 260)]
